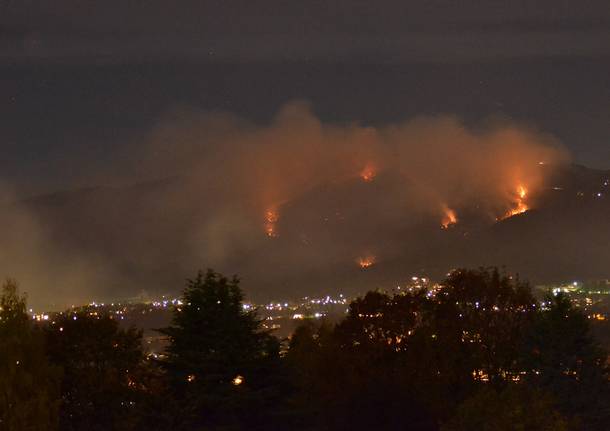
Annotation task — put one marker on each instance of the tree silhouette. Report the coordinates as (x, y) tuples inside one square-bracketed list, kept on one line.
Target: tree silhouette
[(29, 385), (472, 331), (359, 375), (568, 363), (102, 366), (420, 359), (220, 363), (476, 352)]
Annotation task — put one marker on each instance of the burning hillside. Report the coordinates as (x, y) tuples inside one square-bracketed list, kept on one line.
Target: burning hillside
[(519, 205), (336, 190)]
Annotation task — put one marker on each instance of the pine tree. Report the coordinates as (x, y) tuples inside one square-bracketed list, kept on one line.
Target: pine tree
[(219, 359)]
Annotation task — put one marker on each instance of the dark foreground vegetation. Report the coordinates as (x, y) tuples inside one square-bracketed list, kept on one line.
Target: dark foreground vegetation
[(480, 353)]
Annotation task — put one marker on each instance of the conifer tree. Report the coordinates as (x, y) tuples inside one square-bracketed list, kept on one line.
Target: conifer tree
[(219, 359)]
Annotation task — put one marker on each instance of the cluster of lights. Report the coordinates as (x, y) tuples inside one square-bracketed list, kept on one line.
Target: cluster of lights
[(301, 316), (278, 313), (327, 300), (277, 306), (164, 303)]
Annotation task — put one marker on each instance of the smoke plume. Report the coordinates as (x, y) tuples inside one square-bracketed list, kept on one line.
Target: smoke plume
[(294, 206)]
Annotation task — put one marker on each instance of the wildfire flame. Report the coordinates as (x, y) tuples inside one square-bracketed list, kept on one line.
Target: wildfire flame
[(449, 219), (368, 173), (271, 218), (520, 204), (366, 262)]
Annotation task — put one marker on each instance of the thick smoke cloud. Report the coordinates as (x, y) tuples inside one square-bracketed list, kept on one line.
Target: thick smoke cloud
[(290, 206), (52, 275), (274, 164)]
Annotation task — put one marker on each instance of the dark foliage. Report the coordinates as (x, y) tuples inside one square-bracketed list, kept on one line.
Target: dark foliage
[(221, 366), (479, 352), (102, 367), (29, 385), (567, 363), (480, 342), (514, 408)]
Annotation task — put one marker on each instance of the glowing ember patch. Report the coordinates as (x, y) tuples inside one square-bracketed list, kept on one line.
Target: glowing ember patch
[(519, 209), (238, 380), (449, 218), (368, 173), (366, 262), (271, 218)]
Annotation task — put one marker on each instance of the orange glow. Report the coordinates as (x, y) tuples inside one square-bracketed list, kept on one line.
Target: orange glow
[(271, 218), (366, 262), (368, 173), (449, 219), (520, 206), (519, 209)]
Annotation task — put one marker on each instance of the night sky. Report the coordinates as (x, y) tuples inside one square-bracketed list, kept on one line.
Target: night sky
[(80, 81)]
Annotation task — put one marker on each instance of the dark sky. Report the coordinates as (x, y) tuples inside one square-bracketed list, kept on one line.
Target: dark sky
[(81, 80)]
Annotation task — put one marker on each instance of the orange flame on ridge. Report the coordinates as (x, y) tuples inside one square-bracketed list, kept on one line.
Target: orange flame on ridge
[(366, 261), (520, 204), (369, 173), (449, 219), (271, 218)]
